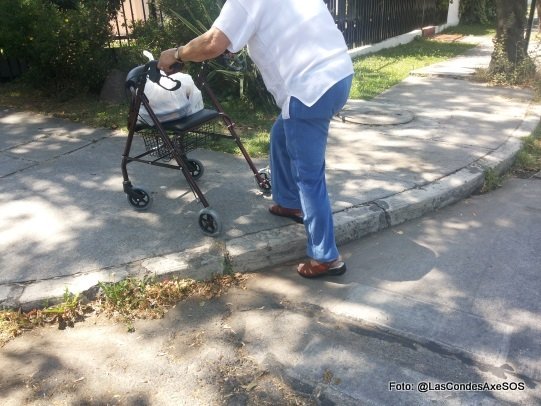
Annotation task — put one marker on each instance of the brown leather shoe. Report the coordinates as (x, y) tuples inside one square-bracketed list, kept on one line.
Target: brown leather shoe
[(315, 269), (294, 214)]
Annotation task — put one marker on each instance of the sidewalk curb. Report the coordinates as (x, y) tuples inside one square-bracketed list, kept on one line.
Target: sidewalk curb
[(254, 252)]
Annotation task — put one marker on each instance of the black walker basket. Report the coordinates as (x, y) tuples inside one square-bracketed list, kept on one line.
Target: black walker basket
[(167, 143)]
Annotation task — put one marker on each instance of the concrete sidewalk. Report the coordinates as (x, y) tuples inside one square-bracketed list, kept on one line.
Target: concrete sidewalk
[(65, 221)]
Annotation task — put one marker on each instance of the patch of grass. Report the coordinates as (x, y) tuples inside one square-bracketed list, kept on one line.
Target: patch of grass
[(69, 311), (85, 108), (11, 325), (478, 30), (252, 125), (145, 297), (530, 80), (527, 163), (493, 181), (378, 72), (148, 298), (528, 160)]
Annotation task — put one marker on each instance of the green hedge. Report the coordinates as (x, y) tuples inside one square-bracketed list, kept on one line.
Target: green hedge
[(64, 42), (69, 48), (478, 11)]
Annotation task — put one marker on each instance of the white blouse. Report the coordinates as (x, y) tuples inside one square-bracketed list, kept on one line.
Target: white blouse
[(295, 44)]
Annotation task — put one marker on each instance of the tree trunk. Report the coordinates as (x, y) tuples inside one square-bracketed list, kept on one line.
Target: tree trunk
[(538, 6), (509, 41)]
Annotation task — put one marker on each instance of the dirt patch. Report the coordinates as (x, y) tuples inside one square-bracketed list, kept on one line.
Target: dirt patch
[(448, 37), (194, 355), (244, 382)]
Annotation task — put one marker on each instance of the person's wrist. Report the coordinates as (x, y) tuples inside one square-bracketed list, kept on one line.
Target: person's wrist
[(177, 54)]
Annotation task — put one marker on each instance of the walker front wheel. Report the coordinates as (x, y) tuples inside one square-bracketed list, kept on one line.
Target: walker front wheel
[(139, 199), (210, 222), (265, 183)]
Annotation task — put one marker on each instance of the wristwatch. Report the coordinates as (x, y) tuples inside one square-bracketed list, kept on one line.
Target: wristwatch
[(177, 57)]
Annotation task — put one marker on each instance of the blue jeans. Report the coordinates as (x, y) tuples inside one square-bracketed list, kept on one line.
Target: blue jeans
[(297, 159)]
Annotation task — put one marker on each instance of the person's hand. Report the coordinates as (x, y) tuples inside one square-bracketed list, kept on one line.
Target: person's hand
[(167, 61)]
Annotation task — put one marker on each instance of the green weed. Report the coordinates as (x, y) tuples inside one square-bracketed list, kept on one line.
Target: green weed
[(492, 182), (127, 300), (66, 313), (528, 159), (134, 298)]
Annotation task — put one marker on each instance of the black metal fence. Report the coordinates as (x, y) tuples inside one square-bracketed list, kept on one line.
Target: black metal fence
[(365, 22), (131, 11), (10, 68), (362, 22)]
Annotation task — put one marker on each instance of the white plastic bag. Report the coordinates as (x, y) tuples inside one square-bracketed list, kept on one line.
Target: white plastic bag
[(171, 105), (193, 94)]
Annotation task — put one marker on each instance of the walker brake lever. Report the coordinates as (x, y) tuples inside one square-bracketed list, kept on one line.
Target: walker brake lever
[(153, 72), (155, 75), (176, 67)]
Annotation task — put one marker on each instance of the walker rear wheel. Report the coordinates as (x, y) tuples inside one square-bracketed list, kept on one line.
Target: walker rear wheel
[(210, 222), (196, 168)]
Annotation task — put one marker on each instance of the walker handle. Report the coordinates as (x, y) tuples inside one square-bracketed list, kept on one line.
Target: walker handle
[(155, 75)]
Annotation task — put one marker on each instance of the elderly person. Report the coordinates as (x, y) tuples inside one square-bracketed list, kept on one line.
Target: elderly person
[(304, 63)]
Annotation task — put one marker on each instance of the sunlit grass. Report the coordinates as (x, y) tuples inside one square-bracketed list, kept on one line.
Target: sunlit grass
[(378, 72), (471, 29)]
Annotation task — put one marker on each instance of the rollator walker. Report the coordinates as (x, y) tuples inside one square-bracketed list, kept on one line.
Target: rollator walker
[(168, 143)]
